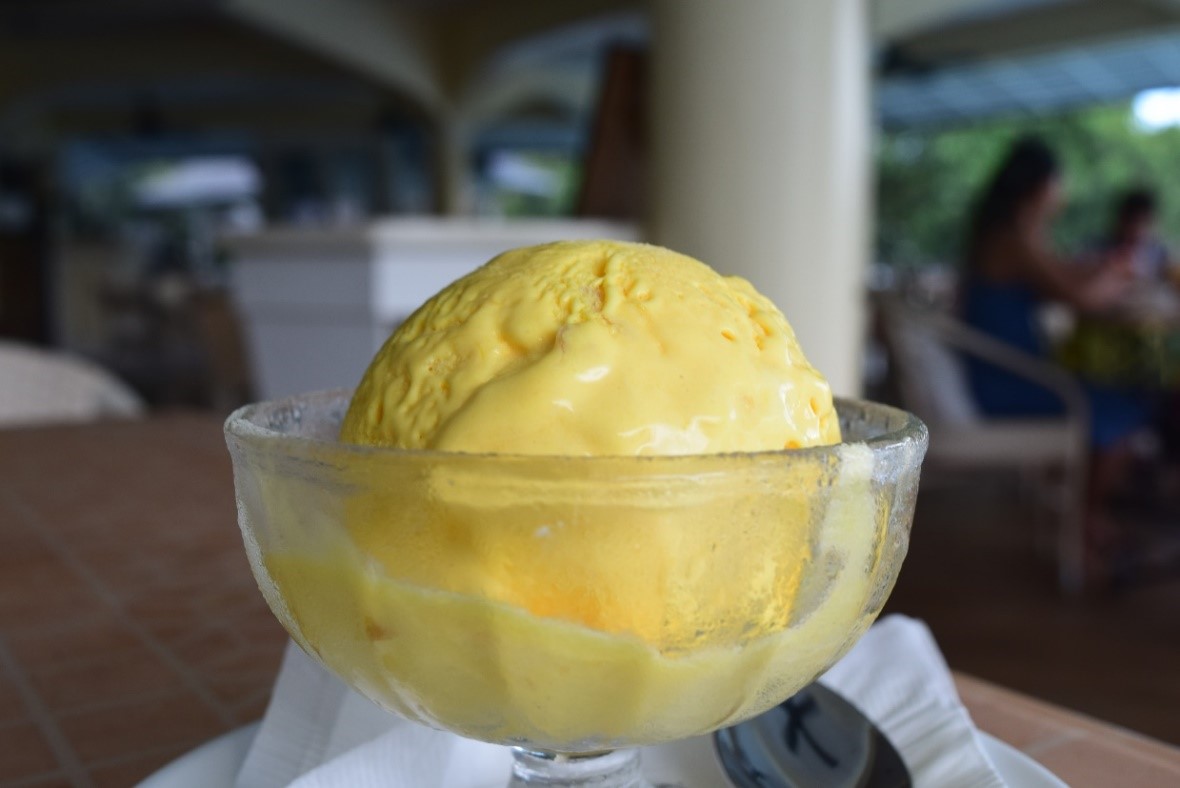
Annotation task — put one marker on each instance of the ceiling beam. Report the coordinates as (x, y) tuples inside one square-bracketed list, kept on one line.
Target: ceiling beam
[(467, 36), (176, 70), (1168, 6), (1036, 29), (388, 43), (892, 19), (32, 66)]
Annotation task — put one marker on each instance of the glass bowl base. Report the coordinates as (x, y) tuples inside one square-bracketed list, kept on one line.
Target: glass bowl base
[(615, 769)]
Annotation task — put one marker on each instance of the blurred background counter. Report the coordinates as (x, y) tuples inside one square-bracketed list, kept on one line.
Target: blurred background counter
[(316, 304)]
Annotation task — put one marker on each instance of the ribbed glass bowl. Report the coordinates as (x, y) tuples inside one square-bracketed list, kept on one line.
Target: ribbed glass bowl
[(572, 604)]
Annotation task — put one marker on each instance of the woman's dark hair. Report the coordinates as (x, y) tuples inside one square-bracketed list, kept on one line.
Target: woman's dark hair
[(1026, 169)]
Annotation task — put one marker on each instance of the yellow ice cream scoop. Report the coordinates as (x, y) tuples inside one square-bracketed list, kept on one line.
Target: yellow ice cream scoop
[(593, 348)]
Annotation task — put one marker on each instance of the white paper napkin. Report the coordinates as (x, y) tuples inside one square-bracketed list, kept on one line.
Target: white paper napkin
[(319, 734)]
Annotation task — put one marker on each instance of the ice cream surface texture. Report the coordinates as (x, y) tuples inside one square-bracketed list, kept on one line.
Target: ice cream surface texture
[(593, 348)]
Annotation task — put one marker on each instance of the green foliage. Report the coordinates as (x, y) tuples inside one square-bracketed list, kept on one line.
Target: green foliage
[(927, 179), (567, 172)]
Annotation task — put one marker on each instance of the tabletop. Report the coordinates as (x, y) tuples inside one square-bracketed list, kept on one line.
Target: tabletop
[(1135, 345), (132, 631), (1151, 305)]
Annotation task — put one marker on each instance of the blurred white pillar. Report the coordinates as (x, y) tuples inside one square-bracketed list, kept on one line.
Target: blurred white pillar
[(761, 129), (454, 166)]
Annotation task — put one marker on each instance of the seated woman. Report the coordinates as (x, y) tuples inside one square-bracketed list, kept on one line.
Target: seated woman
[(1012, 270)]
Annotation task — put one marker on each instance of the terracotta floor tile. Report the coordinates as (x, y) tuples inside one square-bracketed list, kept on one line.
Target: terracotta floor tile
[(76, 516), (257, 621), (39, 565), (167, 628), (12, 707), (125, 582), (19, 546), (210, 541), (74, 641), (252, 708), (24, 752), (141, 726), (131, 771), (229, 597), (151, 602), (159, 604), (232, 688), (207, 646), (163, 608), (52, 781), (38, 603), (258, 657), (106, 678), (26, 582), (185, 582), (228, 559)]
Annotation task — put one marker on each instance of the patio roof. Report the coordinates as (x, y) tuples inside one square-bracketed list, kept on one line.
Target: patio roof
[(1031, 84), (1009, 57)]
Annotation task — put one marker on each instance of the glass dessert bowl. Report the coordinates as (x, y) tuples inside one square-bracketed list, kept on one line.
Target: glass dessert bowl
[(573, 606)]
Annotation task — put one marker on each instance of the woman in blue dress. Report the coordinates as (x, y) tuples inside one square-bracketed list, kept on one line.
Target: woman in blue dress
[(1012, 270)]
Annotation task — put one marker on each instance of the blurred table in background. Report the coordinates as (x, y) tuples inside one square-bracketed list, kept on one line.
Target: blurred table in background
[(317, 303), (1134, 345), (131, 629), (177, 342)]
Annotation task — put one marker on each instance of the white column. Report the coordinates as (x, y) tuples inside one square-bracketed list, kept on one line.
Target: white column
[(456, 190), (761, 129)]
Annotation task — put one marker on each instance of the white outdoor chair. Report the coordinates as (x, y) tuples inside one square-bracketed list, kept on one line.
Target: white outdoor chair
[(925, 348), (39, 387)]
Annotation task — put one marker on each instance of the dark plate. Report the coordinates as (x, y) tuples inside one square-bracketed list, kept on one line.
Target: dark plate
[(816, 739)]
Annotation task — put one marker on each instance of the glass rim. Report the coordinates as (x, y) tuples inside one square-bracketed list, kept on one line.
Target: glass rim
[(242, 424)]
